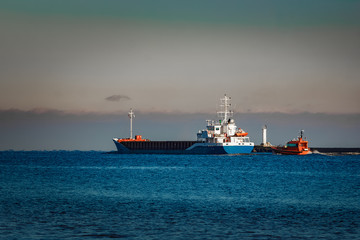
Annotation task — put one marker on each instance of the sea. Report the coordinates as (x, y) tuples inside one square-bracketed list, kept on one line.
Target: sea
[(94, 195)]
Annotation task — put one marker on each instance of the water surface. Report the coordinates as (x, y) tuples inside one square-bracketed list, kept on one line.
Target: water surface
[(90, 195)]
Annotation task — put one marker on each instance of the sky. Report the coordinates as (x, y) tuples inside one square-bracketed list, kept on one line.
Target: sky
[(71, 70)]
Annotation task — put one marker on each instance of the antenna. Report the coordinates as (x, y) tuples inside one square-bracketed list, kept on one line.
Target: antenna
[(131, 116), (226, 113)]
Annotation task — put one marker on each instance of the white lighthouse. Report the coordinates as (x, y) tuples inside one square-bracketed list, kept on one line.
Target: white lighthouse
[(264, 135), (264, 140)]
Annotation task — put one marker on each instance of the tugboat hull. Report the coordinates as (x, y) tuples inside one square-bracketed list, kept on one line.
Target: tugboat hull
[(284, 151)]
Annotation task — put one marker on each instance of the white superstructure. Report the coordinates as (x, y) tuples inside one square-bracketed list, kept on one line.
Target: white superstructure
[(224, 132)]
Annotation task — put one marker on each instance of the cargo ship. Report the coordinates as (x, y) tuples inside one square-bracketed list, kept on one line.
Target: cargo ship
[(297, 146), (219, 137)]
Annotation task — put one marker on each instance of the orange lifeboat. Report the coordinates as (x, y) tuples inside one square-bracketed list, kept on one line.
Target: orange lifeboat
[(241, 134)]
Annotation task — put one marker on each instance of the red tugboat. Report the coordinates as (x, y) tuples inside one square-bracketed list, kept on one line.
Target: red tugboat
[(295, 147)]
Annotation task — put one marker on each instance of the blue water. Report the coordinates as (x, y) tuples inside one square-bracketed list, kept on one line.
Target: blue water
[(90, 195)]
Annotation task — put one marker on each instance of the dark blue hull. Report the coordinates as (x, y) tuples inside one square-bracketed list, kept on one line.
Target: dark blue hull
[(179, 147)]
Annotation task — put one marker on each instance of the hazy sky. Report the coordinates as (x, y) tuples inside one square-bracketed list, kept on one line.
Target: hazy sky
[(103, 57)]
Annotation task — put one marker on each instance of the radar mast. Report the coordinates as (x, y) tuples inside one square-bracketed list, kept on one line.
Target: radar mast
[(225, 112)]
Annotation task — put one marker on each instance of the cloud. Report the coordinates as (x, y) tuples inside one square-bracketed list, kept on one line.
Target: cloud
[(117, 98)]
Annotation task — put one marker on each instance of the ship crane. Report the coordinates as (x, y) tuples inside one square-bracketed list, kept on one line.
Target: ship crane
[(131, 116)]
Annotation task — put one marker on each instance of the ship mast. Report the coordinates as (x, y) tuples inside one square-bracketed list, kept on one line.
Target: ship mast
[(131, 116), (226, 113)]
